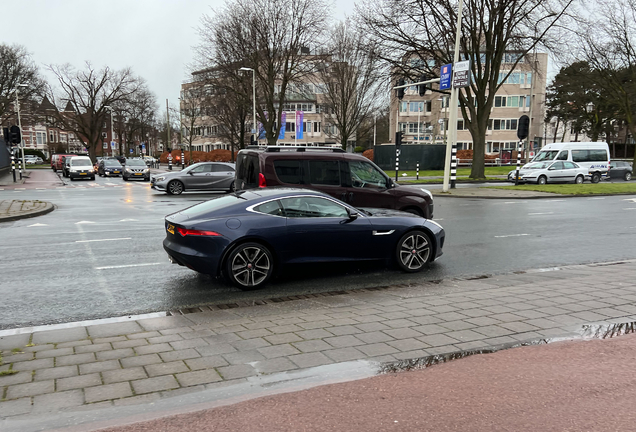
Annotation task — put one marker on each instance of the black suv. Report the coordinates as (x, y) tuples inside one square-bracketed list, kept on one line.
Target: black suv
[(349, 177)]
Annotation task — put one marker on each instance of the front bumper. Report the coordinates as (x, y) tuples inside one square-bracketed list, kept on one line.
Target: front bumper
[(75, 175), (112, 173)]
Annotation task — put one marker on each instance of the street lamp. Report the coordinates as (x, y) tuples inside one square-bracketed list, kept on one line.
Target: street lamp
[(112, 135), (253, 100), (17, 104)]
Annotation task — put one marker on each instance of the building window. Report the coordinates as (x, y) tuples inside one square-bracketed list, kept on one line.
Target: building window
[(513, 101), (460, 124), (500, 101)]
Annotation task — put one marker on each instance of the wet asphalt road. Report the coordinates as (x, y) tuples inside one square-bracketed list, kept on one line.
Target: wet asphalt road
[(99, 254)]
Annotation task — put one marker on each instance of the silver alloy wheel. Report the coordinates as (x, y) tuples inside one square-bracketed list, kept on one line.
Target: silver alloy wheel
[(628, 176), (415, 251), (251, 266), (579, 180), (542, 180), (175, 187)]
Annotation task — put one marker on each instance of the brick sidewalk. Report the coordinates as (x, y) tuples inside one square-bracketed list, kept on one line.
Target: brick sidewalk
[(95, 366)]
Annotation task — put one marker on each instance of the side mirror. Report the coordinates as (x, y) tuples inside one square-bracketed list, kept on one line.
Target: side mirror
[(352, 215), (190, 172)]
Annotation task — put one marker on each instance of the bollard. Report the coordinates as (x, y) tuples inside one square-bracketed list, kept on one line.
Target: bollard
[(417, 171), (518, 162), (169, 162), (182, 160), (397, 163), (453, 173), (13, 166)]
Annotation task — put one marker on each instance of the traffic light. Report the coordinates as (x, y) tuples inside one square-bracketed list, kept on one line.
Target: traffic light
[(422, 87), (140, 147), (523, 126), (400, 91), (14, 135), (398, 139)]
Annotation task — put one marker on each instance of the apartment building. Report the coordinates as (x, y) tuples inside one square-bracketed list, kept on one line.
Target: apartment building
[(424, 119)]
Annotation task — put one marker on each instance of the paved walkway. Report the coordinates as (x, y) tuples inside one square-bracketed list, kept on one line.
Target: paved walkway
[(11, 210), (103, 367)]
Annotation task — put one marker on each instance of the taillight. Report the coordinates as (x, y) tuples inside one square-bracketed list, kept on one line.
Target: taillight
[(186, 232), (261, 181)]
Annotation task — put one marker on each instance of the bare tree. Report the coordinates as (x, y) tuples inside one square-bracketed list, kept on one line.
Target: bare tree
[(351, 79), (89, 92), (16, 67), (611, 52), (269, 36), (415, 37)]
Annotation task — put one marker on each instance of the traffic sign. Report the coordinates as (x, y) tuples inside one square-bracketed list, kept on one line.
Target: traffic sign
[(131, 151), (461, 77), (446, 72)]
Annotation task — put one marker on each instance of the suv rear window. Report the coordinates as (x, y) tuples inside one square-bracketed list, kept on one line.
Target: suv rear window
[(289, 171), (589, 155), (247, 170)]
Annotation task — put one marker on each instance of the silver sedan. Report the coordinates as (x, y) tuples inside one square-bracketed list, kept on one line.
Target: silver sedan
[(550, 172), (202, 176)]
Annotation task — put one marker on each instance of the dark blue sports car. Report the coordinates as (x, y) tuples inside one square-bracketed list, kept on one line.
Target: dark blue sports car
[(247, 235)]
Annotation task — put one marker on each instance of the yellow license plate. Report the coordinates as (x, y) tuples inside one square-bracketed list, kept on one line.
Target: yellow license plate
[(82, 173), (171, 229), (116, 172), (139, 174)]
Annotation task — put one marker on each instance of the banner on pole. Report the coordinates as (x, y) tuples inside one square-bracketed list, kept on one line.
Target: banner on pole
[(281, 129), (299, 124)]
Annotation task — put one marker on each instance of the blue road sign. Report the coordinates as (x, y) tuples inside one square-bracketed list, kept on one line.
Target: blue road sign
[(446, 72), (131, 151)]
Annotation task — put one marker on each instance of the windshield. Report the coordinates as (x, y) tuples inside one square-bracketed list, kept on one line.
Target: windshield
[(539, 165), (82, 161), (112, 163), (135, 162), (545, 155)]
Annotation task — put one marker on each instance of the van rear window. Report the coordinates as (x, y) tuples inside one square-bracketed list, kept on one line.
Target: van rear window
[(289, 171), (589, 155)]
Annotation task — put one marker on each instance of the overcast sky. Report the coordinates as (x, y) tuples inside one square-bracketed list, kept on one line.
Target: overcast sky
[(154, 37)]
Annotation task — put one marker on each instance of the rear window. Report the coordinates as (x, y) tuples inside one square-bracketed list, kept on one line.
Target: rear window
[(247, 171), (213, 204), (324, 173), (589, 155), (289, 171)]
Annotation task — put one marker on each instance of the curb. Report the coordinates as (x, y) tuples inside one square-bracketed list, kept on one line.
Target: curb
[(48, 209)]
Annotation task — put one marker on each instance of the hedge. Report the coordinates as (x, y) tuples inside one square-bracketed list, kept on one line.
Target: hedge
[(198, 156)]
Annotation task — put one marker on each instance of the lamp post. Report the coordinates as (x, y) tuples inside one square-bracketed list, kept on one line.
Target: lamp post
[(112, 134), (253, 100), (17, 104)]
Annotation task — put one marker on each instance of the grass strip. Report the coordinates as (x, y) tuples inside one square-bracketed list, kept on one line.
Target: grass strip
[(459, 180), (574, 189), (499, 170)]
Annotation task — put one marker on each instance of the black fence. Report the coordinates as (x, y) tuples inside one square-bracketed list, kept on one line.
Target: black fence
[(5, 157), (429, 156)]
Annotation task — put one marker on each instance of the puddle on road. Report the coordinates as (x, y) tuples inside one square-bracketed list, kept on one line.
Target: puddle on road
[(585, 332)]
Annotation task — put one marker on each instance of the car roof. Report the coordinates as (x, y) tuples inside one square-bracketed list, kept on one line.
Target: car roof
[(276, 192)]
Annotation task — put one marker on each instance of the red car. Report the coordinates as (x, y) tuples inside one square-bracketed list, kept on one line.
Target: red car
[(57, 161)]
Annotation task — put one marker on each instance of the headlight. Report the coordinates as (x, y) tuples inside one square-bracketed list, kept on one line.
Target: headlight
[(434, 223), (73, 170), (160, 178), (147, 170), (128, 169)]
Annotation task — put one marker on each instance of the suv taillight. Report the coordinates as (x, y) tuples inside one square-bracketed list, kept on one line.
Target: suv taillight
[(261, 181)]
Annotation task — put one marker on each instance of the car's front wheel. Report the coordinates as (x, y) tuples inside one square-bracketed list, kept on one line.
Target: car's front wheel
[(627, 176), (249, 266), (579, 179), (175, 187), (232, 188), (414, 251), (542, 180)]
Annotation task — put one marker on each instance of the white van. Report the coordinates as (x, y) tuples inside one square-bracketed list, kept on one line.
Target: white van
[(594, 156)]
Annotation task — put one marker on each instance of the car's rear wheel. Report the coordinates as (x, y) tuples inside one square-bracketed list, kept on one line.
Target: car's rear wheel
[(627, 176), (175, 187), (249, 266), (596, 177), (542, 180), (579, 179), (232, 188), (413, 251)]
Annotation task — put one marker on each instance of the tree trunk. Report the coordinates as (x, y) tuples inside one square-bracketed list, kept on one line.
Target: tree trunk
[(556, 130)]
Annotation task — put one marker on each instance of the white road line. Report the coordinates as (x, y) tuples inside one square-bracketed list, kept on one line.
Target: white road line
[(129, 220), (84, 222), (126, 266), (101, 240), (630, 208), (630, 199), (595, 198), (37, 224), (512, 235), (546, 213)]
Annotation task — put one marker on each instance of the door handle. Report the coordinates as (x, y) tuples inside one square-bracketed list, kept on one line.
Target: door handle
[(343, 196), (350, 196)]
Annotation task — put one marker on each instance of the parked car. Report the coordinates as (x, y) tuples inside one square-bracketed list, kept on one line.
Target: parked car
[(349, 177), (80, 167), (550, 172), (33, 160), (109, 167), (202, 176), (619, 169), (593, 156), (249, 235), (57, 161), (136, 168)]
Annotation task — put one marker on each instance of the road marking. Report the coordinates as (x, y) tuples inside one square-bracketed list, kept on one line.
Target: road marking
[(84, 222), (546, 213), (630, 208), (37, 224), (101, 240), (512, 235), (630, 199), (126, 266), (129, 220), (596, 198)]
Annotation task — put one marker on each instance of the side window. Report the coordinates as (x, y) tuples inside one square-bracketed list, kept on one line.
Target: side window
[(289, 171), (202, 169), (324, 173), (569, 165), (365, 175), (270, 208), (557, 166), (248, 170), (220, 168), (311, 207), (598, 155), (563, 155), (580, 155)]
